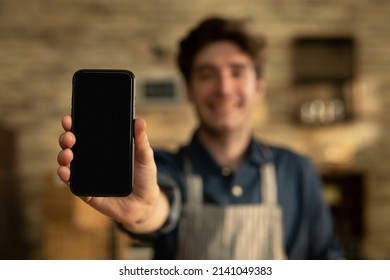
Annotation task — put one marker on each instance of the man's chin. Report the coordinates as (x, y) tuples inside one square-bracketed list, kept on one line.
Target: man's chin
[(219, 129)]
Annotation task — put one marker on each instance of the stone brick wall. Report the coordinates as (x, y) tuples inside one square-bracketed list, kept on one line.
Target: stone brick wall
[(43, 42)]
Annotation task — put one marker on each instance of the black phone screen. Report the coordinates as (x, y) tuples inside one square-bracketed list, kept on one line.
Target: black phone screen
[(102, 122)]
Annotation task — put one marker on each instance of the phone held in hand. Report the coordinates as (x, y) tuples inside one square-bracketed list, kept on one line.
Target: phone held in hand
[(102, 122)]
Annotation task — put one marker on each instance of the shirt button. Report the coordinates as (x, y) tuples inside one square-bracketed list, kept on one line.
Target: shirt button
[(237, 191), (226, 171)]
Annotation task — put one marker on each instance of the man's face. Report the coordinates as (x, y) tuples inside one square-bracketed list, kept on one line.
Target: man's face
[(224, 87)]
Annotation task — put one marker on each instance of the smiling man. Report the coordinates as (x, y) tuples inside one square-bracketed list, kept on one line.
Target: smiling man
[(223, 89), (225, 195)]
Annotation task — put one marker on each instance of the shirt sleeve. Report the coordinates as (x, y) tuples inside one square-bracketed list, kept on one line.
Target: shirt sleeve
[(321, 234)]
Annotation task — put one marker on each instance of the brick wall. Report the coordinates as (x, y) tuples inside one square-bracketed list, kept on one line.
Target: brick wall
[(43, 42)]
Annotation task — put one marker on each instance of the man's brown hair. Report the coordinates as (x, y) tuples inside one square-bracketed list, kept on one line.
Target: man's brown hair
[(216, 29)]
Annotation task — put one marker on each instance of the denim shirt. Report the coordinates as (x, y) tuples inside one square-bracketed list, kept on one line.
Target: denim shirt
[(307, 223)]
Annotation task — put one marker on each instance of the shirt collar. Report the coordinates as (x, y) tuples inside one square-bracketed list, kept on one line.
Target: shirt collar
[(203, 160)]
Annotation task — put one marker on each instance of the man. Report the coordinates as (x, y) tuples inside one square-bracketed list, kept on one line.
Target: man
[(224, 195)]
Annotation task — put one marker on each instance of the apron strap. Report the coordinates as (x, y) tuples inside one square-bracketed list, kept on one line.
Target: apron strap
[(194, 185), (269, 185)]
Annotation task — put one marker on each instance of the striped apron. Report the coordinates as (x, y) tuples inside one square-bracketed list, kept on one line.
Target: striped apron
[(240, 231)]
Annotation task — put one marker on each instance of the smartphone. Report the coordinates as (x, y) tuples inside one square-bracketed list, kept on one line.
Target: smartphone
[(102, 122)]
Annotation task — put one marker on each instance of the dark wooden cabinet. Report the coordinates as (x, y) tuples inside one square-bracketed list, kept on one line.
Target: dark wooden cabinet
[(12, 242), (344, 192)]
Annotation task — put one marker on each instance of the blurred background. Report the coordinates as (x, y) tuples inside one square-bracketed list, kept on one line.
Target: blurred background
[(328, 94)]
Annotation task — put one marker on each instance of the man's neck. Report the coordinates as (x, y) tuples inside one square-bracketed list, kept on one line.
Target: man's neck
[(228, 148)]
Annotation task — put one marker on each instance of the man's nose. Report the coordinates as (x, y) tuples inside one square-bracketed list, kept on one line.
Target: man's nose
[(225, 84)]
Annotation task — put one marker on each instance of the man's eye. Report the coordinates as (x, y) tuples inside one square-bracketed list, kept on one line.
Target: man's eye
[(206, 75), (238, 73)]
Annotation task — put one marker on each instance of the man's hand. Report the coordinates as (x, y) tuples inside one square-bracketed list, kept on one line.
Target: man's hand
[(146, 208)]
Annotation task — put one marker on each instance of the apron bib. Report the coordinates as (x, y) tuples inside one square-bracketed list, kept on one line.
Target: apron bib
[(243, 232)]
